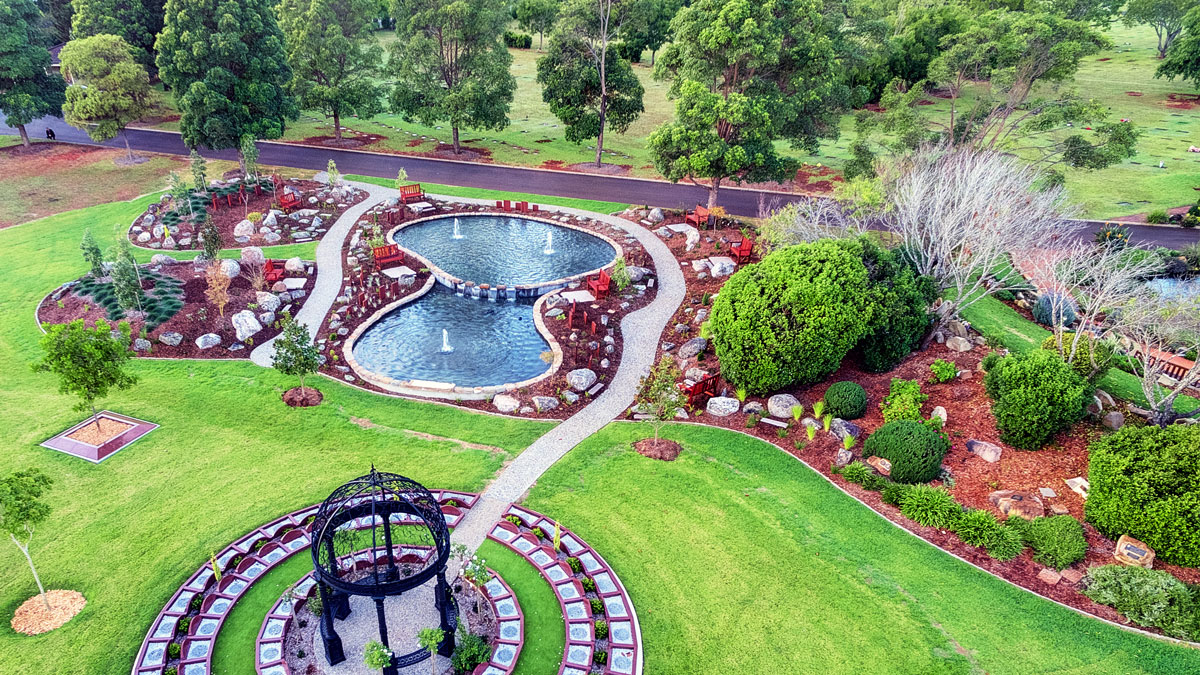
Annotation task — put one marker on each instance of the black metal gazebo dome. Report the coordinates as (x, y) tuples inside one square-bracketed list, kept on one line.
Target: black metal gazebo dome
[(379, 536)]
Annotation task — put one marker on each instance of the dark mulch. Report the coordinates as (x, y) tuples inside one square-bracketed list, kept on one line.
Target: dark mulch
[(666, 450), (302, 398)]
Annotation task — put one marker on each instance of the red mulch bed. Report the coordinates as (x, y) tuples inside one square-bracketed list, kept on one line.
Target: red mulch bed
[(348, 140), (575, 353), (665, 450), (100, 431), (189, 321), (302, 398)]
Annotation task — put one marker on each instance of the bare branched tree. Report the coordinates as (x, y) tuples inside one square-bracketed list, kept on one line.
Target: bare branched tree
[(813, 218), (1158, 331)]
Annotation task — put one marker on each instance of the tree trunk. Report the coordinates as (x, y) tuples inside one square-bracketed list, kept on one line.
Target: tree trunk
[(25, 550), (541, 37), (95, 418), (24, 135), (652, 53), (457, 147), (712, 192), (128, 150), (242, 162), (337, 125)]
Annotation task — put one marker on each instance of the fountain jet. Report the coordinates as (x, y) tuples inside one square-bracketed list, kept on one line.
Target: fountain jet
[(457, 234), (549, 250), (446, 348)]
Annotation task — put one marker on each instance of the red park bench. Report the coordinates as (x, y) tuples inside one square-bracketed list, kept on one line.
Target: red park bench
[(387, 254), (742, 250), (411, 193), (289, 201), (698, 393), (599, 286), (273, 271), (699, 217)]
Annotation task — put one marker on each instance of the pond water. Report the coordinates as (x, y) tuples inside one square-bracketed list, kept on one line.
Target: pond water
[(505, 249), (1176, 288)]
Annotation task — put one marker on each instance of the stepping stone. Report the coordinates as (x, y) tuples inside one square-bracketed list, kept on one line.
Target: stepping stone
[(774, 423), (1047, 493), (580, 297), (1078, 485)]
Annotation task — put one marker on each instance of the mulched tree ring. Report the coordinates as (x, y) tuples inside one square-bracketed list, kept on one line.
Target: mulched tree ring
[(32, 617), (302, 398), (666, 450)]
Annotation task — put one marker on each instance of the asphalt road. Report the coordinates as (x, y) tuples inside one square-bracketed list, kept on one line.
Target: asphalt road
[(737, 201)]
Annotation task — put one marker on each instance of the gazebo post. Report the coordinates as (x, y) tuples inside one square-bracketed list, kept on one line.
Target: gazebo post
[(392, 573), (441, 595), (334, 653), (389, 669)]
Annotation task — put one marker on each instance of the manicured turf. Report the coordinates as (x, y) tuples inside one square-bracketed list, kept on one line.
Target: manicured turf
[(545, 633), (480, 193), (993, 318), (739, 559), (228, 457), (234, 651)]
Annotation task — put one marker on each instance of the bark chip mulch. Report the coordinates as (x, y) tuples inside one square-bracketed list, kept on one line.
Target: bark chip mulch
[(665, 450), (302, 398), (32, 617), (99, 434)]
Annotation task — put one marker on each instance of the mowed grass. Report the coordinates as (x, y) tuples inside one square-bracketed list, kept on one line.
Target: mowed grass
[(545, 631), (993, 318), (480, 193), (740, 559), (228, 457)]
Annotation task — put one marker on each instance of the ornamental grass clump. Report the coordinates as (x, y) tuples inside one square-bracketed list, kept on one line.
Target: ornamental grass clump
[(978, 528), (931, 506), (1007, 543)]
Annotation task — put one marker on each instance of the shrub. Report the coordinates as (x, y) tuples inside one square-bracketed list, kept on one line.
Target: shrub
[(847, 400), (376, 656), (517, 40), (1116, 236), (990, 361), (930, 506), (470, 650), (978, 528), (893, 493), (1053, 309), (903, 401), (915, 450), (589, 585), (856, 472), (943, 371), (791, 318), (1084, 350), (1057, 541), (1190, 220), (600, 657), (185, 622), (1145, 482), (314, 604), (874, 482), (173, 650), (1157, 217), (575, 564), (1146, 597), (895, 332), (1035, 396), (597, 606), (1007, 543), (601, 627)]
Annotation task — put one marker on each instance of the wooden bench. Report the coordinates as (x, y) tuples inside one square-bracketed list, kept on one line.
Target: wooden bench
[(698, 393), (699, 217), (599, 286), (742, 250), (385, 255), (289, 201), (411, 193), (273, 271)]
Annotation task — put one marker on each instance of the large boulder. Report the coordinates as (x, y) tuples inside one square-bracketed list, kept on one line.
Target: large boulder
[(143, 237), (841, 428), (722, 406), (544, 403), (581, 379), (244, 228), (141, 345), (231, 268), (171, 338), (267, 302), (208, 341), (636, 274), (691, 238), (253, 255), (271, 237), (958, 344), (270, 220), (294, 265), (162, 259), (721, 266), (780, 405), (655, 215), (245, 324), (506, 403), (989, 452), (692, 347), (1011, 503)]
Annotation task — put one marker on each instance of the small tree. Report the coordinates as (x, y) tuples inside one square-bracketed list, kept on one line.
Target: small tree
[(127, 283), (335, 176), (295, 353), (22, 512), (401, 178), (536, 16), (376, 656), (210, 237), (87, 361), (1156, 330), (218, 286), (199, 169), (108, 89), (659, 396), (180, 192), (249, 151), (91, 253), (1164, 16), (28, 88), (430, 639)]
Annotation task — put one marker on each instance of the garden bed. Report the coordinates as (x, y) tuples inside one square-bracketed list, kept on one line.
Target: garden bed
[(177, 312)]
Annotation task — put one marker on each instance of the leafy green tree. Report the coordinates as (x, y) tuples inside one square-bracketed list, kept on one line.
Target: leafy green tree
[(88, 361), (430, 639), (249, 157), (1166, 17), (745, 74), (21, 513), (588, 87), (59, 15), (450, 64), (894, 333), (127, 283), (107, 90), (137, 21), (225, 61), (536, 16), (295, 353), (27, 89), (334, 57), (1183, 57), (92, 254), (199, 169), (1096, 12), (648, 27), (659, 395)]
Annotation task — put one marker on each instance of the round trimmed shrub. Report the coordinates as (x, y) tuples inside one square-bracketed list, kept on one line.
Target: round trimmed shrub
[(1007, 544), (1145, 482), (847, 400), (1057, 541), (793, 317), (914, 449), (1045, 312), (1082, 362), (1035, 395)]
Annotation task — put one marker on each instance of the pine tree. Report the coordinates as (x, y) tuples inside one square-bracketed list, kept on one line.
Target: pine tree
[(225, 61), (127, 284), (108, 88), (27, 90), (199, 171), (91, 253), (137, 21)]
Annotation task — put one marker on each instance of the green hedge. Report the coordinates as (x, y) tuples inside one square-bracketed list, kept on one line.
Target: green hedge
[(914, 449), (1145, 482), (1035, 396)]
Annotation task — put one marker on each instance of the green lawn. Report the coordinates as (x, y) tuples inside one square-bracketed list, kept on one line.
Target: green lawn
[(740, 559), (480, 193), (228, 457), (993, 318), (545, 632)]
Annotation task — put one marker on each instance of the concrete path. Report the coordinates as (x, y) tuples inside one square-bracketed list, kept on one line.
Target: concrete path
[(329, 268)]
